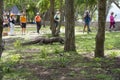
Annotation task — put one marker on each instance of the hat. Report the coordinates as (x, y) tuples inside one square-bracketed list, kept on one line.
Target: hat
[(87, 11), (11, 14), (57, 12), (37, 13)]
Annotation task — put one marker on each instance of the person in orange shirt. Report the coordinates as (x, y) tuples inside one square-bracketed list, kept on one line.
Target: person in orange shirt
[(23, 21), (38, 22)]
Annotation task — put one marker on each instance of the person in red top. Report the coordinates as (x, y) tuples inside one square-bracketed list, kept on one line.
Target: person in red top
[(112, 21), (38, 22)]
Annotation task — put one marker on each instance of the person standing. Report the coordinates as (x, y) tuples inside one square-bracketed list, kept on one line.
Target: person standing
[(6, 22), (87, 20), (38, 22), (57, 19), (23, 21), (112, 21), (12, 24)]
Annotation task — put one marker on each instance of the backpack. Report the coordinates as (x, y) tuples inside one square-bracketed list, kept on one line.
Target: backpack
[(13, 21), (56, 18)]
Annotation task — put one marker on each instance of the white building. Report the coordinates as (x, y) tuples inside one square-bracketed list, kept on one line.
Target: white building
[(116, 11)]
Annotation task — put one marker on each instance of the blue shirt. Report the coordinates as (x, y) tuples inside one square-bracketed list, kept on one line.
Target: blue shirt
[(87, 19)]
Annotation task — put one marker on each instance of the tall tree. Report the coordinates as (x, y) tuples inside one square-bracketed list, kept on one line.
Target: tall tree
[(69, 26), (1, 25), (100, 37), (52, 27)]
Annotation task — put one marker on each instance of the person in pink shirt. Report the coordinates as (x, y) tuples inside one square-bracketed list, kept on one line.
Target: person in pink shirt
[(112, 21)]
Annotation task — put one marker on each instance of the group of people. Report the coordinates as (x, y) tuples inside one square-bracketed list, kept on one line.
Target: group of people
[(10, 22), (87, 21), (38, 21)]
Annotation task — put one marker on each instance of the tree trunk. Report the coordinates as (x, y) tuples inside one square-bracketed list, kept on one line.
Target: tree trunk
[(44, 17), (100, 37), (1, 25), (52, 27), (69, 26)]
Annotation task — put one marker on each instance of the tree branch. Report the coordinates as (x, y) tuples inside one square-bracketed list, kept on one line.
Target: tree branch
[(116, 4)]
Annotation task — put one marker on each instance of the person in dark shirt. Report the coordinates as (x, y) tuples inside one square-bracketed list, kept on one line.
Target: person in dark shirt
[(12, 24), (87, 20)]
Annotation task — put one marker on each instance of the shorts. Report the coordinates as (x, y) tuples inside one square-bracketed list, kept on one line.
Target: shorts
[(23, 25)]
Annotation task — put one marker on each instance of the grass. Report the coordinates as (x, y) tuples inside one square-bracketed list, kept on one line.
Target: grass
[(50, 62)]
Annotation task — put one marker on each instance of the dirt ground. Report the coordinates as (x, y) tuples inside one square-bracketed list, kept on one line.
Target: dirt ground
[(87, 68)]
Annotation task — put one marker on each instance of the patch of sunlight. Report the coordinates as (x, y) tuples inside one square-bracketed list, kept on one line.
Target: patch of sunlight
[(112, 52)]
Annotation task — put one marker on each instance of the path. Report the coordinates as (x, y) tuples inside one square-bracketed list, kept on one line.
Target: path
[(31, 33)]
